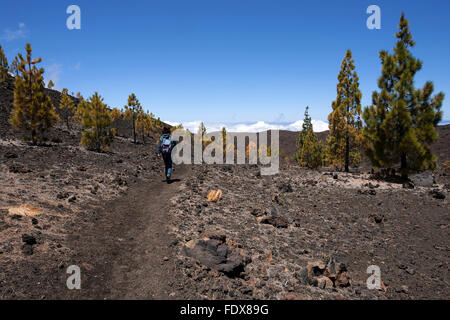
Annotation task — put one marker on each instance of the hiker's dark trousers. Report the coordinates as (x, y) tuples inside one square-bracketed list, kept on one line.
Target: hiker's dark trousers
[(167, 157)]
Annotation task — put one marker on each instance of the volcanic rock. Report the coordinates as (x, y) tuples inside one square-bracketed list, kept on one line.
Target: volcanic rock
[(215, 253), (10, 155), (437, 194), (423, 180), (28, 239)]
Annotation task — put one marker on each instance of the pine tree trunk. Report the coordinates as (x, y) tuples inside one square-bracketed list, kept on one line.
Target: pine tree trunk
[(134, 130), (33, 137), (404, 166), (347, 140)]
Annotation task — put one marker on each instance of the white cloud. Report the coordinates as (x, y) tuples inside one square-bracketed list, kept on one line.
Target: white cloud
[(258, 126), (10, 35)]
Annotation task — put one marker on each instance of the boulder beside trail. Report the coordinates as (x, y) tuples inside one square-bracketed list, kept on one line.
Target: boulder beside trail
[(215, 252), (423, 180)]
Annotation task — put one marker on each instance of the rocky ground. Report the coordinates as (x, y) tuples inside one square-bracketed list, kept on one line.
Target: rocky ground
[(52, 193), (300, 234), (306, 234)]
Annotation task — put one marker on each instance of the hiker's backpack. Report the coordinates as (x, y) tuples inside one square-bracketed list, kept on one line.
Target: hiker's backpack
[(166, 144)]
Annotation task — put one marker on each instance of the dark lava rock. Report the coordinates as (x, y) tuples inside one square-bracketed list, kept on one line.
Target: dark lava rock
[(410, 270), (62, 195), (10, 155), (423, 180), (119, 181), (216, 254), (408, 185), (336, 270), (437, 194), (34, 221), (274, 217), (257, 212), (276, 221), (319, 274), (285, 187), (18, 169), (27, 249), (378, 218), (28, 239), (215, 235), (311, 183), (369, 192), (277, 199), (94, 190)]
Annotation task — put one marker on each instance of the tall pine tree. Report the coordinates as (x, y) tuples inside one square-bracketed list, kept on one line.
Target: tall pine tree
[(132, 111), (400, 123), (345, 136), (309, 148), (33, 110), (67, 107), (306, 126)]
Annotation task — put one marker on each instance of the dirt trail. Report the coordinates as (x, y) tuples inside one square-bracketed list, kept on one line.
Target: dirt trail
[(129, 252)]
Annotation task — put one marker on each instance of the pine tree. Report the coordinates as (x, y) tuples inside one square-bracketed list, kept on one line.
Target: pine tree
[(96, 121), (150, 124), (311, 155), (14, 66), (144, 124), (3, 65), (309, 148), (116, 114), (345, 136), (33, 110), (159, 124), (400, 123), (306, 126), (67, 107), (131, 112)]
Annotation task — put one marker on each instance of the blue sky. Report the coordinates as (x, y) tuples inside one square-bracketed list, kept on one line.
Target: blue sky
[(223, 60)]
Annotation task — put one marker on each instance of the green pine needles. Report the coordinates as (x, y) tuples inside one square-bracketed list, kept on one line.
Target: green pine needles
[(400, 123)]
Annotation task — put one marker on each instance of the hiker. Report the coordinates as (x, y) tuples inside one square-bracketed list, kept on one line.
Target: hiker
[(165, 146)]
